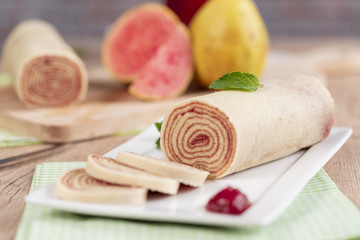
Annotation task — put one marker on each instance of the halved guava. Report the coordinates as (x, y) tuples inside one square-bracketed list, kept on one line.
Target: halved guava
[(149, 47)]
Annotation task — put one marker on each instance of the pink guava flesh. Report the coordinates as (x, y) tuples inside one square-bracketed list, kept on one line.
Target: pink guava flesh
[(137, 40), (169, 72)]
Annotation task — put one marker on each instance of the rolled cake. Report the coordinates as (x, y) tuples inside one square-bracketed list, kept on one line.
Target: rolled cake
[(109, 170), (228, 131), (77, 185), (45, 70), (180, 172)]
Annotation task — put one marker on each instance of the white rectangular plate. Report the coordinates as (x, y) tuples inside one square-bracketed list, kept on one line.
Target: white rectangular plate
[(270, 188)]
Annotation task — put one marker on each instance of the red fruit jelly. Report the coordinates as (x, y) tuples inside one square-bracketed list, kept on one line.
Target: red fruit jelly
[(229, 201)]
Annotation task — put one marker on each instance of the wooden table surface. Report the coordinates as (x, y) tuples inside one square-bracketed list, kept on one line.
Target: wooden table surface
[(343, 168)]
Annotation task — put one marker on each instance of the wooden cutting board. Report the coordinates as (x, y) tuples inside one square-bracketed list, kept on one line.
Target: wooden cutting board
[(109, 108)]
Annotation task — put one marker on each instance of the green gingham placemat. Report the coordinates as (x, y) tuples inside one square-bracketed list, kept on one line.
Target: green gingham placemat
[(10, 139), (320, 212), (5, 80)]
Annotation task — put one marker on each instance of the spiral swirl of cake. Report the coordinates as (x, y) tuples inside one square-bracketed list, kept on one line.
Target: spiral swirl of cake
[(45, 70), (77, 185), (228, 131)]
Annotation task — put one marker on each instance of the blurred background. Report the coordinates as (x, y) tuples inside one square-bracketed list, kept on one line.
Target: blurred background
[(284, 18)]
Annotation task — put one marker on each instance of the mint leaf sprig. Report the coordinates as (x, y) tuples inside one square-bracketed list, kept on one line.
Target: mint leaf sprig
[(237, 81), (158, 126)]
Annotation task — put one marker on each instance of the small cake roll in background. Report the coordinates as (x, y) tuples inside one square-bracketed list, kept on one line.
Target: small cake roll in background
[(45, 70)]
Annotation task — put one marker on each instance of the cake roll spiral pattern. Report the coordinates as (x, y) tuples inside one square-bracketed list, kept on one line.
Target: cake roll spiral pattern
[(77, 185), (202, 136), (229, 131), (78, 179), (45, 70)]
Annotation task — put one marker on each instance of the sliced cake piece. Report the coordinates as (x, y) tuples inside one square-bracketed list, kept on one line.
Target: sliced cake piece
[(77, 185), (109, 170), (180, 172)]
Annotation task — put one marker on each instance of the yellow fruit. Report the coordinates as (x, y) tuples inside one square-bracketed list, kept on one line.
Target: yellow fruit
[(228, 35)]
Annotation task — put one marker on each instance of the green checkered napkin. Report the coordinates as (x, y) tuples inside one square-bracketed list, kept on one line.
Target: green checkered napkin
[(9, 139), (320, 211), (5, 80)]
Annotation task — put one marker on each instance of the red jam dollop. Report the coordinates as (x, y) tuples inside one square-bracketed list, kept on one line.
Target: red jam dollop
[(229, 201)]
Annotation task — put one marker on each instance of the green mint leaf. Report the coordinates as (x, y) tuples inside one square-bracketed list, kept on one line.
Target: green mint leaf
[(158, 144), (237, 81), (158, 126)]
